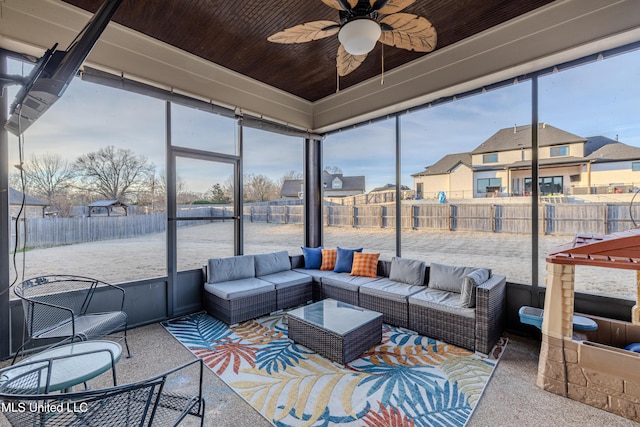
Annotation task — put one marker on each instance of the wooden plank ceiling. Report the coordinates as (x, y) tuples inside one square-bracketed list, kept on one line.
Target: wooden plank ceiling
[(234, 34)]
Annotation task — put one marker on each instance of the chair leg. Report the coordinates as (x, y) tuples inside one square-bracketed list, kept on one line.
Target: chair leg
[(19, 351), (202, 408), (126, 343)]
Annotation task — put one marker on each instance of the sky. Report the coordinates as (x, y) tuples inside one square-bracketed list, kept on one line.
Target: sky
[(601, 98)]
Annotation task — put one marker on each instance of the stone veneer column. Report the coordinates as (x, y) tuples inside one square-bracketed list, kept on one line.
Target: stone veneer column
[(557, 327)]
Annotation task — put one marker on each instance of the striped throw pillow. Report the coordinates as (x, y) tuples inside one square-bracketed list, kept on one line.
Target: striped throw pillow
[(328, 259), (365, 265)]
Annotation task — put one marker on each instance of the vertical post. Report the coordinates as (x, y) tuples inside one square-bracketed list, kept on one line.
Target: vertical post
[(398, 190), (172, 237), (238, 203), (312, 193), (5, 234), (534, 192)]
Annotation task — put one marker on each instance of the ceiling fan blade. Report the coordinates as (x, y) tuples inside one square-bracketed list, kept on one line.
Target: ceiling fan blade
[(341, 4), (409, 32), (306, 32), (346, 62), (391, 6)]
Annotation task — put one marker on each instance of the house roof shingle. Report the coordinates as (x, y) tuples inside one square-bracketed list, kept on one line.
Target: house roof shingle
[(388, 187), (349, 183), (446, 164), (520, 137), (15, 198), (291, 187), (614, 151)]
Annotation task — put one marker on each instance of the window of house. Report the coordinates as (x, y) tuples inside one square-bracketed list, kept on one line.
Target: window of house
[(548, 185), (635, 166), (559, 151), (490, 158), (484, 183), (336, 184)]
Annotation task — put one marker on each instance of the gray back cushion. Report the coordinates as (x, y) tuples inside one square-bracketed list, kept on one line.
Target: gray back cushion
[(409, 271), (272, 263), (232, 268), (447, 277), (469, 285)]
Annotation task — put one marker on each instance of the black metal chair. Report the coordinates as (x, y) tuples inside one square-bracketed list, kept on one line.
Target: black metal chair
[(151, 402), (62, 306)]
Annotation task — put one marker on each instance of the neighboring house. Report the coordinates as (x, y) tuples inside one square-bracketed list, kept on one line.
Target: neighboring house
[(568, 164), (33, 207), (292, 188), (451, 174), (338, 185), (335, 185)]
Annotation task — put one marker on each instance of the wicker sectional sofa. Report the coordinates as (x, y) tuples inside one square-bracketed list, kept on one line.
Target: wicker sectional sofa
[(245, 287), (429, 299), (463, 306)]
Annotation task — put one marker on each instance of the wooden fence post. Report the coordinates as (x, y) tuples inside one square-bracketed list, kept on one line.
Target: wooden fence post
[(415, 218), (451, 213), (493, 218)]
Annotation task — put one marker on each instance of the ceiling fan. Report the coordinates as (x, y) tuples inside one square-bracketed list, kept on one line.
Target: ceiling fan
[(362, 24)]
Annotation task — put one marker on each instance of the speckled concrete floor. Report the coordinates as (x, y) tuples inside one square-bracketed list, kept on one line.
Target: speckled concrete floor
[(511, 398)]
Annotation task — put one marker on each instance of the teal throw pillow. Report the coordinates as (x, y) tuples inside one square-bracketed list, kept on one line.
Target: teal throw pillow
[(344, 260), (312, 258)]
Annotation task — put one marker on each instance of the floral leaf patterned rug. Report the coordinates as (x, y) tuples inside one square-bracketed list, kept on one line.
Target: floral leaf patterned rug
[(407, 380)]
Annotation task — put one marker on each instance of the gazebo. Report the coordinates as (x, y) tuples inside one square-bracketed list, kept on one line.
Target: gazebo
[(109, 205), (593, 368)]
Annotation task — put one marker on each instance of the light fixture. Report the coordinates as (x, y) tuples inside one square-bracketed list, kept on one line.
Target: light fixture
[(359, 36)]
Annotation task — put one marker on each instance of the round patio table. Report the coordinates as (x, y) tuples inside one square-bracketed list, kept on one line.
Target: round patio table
[(71, 364)]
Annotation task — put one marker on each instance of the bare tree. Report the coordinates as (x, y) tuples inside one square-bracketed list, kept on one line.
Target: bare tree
[(114, 173), (334, 170), (259, 188), (49, 176)]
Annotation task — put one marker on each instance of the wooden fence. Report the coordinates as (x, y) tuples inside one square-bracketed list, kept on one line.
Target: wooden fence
[(562, 218)]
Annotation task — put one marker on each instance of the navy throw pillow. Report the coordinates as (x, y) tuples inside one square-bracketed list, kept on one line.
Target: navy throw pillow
[(344, 260), (312, 258)]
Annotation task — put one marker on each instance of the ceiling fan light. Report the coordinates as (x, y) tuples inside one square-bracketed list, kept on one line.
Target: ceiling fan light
[(359, 36)]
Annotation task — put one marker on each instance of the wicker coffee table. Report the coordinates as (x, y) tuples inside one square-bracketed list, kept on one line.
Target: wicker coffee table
[(339, 331)]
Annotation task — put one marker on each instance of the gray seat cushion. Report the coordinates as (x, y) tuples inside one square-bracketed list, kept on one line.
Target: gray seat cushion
[(448, 277), (346, 281), (222, 270), (317, 275), (239, 288), (272, 263), (409, 271), (390, 289), (443, 301), (471, 282), (285, 279)]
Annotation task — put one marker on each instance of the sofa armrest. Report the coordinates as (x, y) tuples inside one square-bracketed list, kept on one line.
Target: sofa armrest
[(297, 261), (491, 297)]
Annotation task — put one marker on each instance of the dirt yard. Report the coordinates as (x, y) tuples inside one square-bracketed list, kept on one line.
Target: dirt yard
[(143, 257)]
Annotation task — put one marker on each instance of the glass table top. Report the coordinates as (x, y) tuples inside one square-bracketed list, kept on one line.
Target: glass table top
[(335, 316), (71, 363)]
